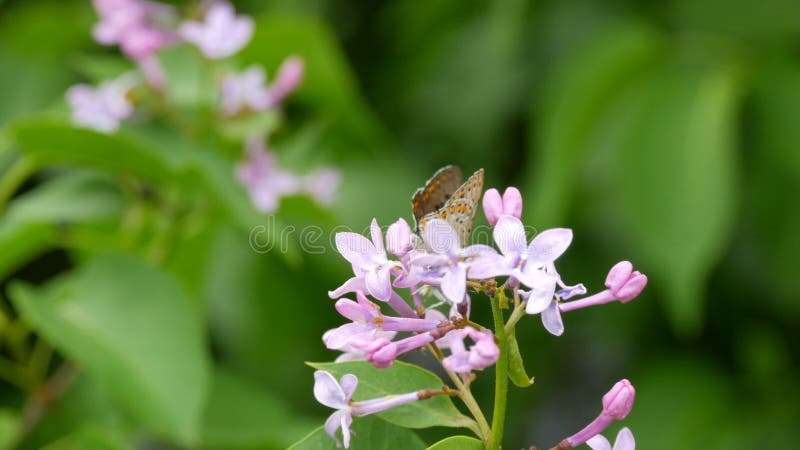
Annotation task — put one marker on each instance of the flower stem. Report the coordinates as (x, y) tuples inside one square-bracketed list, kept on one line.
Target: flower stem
[(518, 313), (501, 378), (466, 396), (13, 178)]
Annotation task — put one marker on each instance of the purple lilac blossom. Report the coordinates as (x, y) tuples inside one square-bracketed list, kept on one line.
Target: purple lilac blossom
[(532, 264), (338, 395), (371, 266), (448, 262)]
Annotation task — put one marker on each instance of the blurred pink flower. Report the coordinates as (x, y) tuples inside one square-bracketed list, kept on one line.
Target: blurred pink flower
[(101, 108), (221, 34), (264, 180)]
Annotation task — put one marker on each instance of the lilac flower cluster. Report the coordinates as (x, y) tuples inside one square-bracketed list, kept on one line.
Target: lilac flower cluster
[(437, 269), (141, 28)]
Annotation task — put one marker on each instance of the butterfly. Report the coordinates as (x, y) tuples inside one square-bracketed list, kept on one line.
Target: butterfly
[(446, 196)]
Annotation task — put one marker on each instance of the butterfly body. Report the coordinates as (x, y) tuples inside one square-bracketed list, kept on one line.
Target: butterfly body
[(445, 196)]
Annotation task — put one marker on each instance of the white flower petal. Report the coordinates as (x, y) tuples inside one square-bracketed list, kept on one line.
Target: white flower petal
[(377, 237), (551, 319), (625, 440), (599, 442), (548, 245), (327, 391), (509, 234), (454, 283), (349, 382)]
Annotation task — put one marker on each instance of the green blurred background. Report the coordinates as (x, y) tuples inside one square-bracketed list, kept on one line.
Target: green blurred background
[(665, 133)]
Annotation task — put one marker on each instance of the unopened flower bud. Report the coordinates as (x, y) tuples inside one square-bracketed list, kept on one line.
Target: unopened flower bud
[(398, 238), (512, 202), (617, 403), (492, 206)]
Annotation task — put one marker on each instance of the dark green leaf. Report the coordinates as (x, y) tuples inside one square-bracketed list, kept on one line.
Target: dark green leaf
[(516, 367), (458, 443), (370, 433), (133, 329), (401, 378), (676, 178)]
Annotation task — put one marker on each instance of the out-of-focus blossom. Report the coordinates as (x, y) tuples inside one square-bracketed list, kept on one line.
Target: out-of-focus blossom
[(101, 108), (322, 185), (290, 75), (131, 24), (264, 180), (617, 404), (482, 354), (245, 90), (494, 206), (338, 395), (624, 441), (221, 33)]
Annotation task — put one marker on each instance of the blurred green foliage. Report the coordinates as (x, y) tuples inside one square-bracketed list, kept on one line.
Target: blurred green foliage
[(663, 133)]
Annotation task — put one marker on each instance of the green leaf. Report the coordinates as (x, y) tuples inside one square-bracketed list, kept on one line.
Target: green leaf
[(516, 368), (9, 424), (329, 82), (401, 378), (458, 443), (133, 329), (54, 142), (71, 197), (578, 94), (244, 416), (90, 438), (676, 180), (369, 433)]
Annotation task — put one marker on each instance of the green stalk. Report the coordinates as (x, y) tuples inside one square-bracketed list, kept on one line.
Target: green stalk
[(19, 171), (501, 378)]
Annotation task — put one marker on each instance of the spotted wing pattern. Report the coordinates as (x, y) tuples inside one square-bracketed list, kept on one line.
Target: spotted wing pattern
[(460, 208), (436, 192)]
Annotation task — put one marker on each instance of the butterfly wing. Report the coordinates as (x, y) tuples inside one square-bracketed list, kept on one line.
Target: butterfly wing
[(459, 210), (433, 196)]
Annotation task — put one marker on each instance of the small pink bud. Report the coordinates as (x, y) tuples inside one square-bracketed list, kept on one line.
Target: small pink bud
[(290, 75), (618, 402), (632, 288), (512, 202), (398, 238), (492, 206), (618, 275), (382, 353)]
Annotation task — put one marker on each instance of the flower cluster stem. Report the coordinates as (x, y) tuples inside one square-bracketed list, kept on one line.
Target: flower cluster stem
[(466, 396), (501, 378)]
